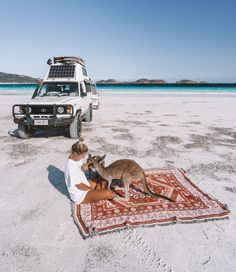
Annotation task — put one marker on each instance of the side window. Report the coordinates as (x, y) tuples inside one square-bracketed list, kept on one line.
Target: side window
[(84, 71), (88, 87)]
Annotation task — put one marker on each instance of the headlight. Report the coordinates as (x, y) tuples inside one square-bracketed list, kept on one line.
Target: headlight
[(60, 109), (19, 109), (69, 109)]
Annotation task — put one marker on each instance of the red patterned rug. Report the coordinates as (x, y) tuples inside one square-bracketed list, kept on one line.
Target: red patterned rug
[(191, 204)]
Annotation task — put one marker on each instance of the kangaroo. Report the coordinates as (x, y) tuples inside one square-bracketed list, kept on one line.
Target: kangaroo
[(125, 170)]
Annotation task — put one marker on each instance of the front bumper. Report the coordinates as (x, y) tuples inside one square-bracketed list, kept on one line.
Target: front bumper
[(52, 122)]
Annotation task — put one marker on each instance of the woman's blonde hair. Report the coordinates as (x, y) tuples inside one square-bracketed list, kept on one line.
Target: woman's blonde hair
[(79, 147)]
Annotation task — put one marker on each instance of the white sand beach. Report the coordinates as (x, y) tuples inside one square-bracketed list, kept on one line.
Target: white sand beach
[(194, 132)]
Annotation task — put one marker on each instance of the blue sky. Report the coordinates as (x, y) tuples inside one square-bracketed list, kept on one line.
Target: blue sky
[(122, 39)]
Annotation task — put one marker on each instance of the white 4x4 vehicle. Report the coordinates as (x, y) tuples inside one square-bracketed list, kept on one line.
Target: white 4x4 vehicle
[(63, 99)]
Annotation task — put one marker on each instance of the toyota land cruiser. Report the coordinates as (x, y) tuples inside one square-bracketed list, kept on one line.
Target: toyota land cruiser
[(63, 99)]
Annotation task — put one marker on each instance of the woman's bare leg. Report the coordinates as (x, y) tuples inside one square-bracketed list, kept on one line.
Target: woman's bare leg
[(96, 195)]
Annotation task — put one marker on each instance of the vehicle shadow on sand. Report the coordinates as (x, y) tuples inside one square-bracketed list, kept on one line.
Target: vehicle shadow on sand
[(57, 179), (46, 133)]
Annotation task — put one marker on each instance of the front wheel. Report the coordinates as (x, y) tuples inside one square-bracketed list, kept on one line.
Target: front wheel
[(24, 132), (75, 127)]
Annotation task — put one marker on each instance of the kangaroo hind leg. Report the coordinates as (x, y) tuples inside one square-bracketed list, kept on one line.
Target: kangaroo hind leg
[(109, 184), (126, 188)]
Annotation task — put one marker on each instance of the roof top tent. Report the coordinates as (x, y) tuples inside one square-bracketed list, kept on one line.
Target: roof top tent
[(67, 69), (69, 60)]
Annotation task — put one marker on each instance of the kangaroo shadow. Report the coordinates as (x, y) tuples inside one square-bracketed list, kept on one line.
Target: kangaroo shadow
[(57, 179)]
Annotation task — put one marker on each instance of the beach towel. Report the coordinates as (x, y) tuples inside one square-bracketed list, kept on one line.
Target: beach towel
[(190, 204)]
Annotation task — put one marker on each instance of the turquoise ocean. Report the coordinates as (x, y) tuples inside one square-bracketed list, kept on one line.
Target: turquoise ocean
[(25, 88)]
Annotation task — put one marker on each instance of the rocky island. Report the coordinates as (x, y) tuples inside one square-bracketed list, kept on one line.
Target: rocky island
[(141, 81), (158, 82), (187, 81)]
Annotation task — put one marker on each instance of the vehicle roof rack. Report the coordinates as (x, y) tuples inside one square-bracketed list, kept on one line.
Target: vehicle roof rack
[(69, 60)]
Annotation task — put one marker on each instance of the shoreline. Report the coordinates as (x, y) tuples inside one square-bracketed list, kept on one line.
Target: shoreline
[(137, 94)]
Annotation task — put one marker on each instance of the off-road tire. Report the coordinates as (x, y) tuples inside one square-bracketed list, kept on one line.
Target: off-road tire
[(89, 114), (24, 132), (75, 127)]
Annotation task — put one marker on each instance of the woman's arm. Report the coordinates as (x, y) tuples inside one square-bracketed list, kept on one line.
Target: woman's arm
[(83, 187), (85, 167)]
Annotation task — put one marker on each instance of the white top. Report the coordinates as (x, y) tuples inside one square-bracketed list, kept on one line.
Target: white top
[(74, 174)]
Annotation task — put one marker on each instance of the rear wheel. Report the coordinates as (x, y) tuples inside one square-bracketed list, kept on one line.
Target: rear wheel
[(75, 127), (24, 132)]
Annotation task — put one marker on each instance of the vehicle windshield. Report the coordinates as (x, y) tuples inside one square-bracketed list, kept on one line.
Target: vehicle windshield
[(58, 89)]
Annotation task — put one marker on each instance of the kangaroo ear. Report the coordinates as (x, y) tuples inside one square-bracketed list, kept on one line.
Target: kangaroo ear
[(90, 156), (103, 157)]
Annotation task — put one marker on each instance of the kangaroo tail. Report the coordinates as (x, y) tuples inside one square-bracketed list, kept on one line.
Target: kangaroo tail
[(149, 192)]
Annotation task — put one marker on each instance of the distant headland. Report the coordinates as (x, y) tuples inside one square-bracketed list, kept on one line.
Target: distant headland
[(13, 78)]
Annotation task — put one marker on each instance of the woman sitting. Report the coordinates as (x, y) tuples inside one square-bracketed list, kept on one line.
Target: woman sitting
[(80, 188)]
